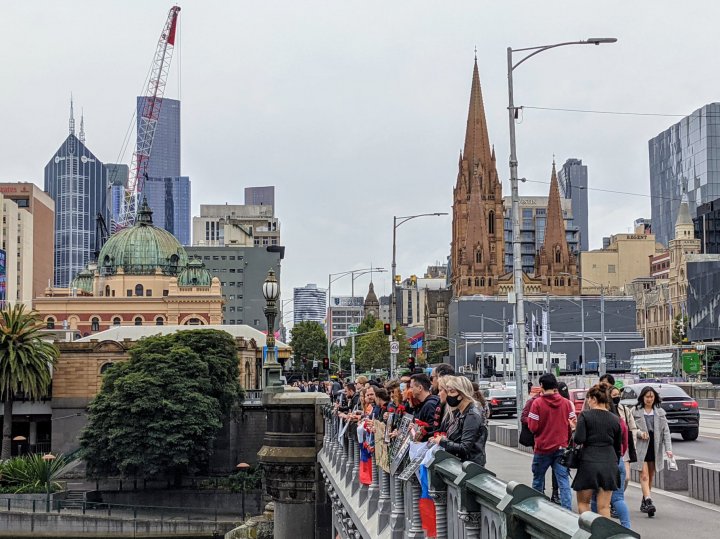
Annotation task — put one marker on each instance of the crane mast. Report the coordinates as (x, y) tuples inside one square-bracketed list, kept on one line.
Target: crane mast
[(147, 121)]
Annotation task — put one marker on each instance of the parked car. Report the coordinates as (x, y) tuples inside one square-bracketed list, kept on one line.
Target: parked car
[(501, 400), (577, 397), (683, 414)]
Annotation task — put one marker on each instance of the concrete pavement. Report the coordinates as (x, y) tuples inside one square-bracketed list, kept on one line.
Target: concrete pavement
[(677, 515)]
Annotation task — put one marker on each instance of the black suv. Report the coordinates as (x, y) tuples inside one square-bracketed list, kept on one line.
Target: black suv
[(683, 414), (501, 401)]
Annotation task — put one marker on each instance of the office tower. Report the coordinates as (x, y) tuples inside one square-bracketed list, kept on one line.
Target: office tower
[(573, 183), (260, 196), (226, 224), (117, 176), (684, 157), (77, 181), (344, 311), (39, 223), (169, 199), (166, 189), (309, 304)]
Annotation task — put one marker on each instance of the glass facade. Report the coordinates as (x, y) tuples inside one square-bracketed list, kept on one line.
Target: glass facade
[(573, 183), (165, 155), (76, 180), (309, 303), (685, 156), (169, 199)]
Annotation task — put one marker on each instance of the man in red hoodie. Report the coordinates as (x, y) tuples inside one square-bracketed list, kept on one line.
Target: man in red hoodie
[(551, 419)]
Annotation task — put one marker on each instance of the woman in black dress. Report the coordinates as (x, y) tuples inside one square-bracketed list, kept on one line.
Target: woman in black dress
[(600, 434)]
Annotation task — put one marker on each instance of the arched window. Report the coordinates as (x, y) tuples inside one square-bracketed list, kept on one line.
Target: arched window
[(248, 375), (482, 281), (95, 324), (469, 281), (138, 290), (50, 323), (477, 281), (105, 367), (491, 223), (194, 322), (117, 321), (107, 291), (478, 256), (489, 281), (138, 321), (557, 255), (562, 281), (557, 281), (159, 321)]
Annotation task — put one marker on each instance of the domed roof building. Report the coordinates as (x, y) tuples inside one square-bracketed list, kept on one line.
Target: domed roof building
[(143, 277)]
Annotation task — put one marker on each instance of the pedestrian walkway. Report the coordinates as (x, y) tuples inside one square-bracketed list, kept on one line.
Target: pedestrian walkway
[(677, 516)]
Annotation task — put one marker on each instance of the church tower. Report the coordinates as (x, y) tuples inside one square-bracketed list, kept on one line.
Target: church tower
[(477, 234), (556, 265)]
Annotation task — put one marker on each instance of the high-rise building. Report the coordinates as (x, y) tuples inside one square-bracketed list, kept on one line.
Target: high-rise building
[(225, 224), (38, 223), (684, 157), (117, 176), (167, 190), (477, 240), (77, 181), (260, 196), (309, 304), (573, 183), (169, 198), (164, 159), (344, 311), (707, 227)]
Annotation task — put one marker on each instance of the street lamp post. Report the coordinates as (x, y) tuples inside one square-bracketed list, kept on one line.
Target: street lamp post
[(272, 369), (520, 351), (397, 221)]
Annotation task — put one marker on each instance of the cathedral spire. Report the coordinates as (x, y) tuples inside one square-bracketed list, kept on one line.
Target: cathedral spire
[(71, 123), (477, 141), (82, 126), (555, 224)]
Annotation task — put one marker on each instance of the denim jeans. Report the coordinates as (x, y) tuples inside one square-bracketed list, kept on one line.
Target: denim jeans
[(540, 465), (617, 499)]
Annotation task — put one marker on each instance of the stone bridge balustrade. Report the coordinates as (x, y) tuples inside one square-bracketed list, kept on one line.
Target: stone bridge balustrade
[(470, 502)]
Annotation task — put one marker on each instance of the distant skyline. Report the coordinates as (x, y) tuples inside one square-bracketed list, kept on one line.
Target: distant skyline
[(356, 112)]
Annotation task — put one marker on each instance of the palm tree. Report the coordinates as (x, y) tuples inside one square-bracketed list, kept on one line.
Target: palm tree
[(25, 363)]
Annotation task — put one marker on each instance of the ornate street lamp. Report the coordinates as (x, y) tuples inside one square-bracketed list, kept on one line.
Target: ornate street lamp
[(272, 369)]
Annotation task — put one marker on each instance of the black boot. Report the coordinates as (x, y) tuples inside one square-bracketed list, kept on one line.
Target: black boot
[(650, 508), (643, 506), (555, 498)]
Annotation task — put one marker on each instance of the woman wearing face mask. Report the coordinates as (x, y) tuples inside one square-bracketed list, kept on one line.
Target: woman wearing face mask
[(462, 431)]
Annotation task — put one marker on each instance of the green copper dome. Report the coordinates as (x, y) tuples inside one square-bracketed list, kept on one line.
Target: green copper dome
[(142, 249), (83, 281), (195, 274)]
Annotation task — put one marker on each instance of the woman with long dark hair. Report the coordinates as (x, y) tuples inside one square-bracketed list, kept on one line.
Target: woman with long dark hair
[(653, 443)]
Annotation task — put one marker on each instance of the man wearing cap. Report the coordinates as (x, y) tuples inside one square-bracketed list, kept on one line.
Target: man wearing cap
[(551, 419)]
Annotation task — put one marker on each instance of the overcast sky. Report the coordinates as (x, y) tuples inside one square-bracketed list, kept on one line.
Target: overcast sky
[(356, 110)]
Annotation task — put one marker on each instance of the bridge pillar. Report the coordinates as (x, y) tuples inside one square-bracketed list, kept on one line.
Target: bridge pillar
[(293, 437)]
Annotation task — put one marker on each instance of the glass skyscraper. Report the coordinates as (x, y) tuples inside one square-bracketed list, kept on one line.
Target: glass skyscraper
[(167, 191), (685, 156), (309, 303), (573, 183), (77, 181), (169, 199)]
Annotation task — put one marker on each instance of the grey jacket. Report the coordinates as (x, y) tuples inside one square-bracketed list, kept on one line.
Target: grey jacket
[(662, 438)]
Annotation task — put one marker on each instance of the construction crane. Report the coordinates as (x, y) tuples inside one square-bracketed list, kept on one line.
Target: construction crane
[(147, 121)]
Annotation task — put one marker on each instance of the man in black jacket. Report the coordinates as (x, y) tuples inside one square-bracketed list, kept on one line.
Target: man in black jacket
[(428, 409), (349, 400)]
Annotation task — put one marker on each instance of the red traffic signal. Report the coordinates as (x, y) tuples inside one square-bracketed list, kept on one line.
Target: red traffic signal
[(411, 363), (326, 363), (386, 329)]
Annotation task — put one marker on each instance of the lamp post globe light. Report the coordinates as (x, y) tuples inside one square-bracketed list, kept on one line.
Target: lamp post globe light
[(515, 198), (272, 369)]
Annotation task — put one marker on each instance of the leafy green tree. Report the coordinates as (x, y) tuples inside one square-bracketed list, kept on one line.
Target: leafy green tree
[(158, 413), (437, 349), (373, 349), (25, 363), (308, 340)]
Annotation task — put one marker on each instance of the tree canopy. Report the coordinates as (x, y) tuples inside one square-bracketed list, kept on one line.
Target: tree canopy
[(158, 413), (373, 349), (25, 363), (308, 340)]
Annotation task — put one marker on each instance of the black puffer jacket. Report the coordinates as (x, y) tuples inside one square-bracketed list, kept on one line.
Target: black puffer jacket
[(467, 436)]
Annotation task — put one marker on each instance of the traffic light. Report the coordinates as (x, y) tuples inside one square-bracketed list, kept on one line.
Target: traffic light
[(316, 373), (411, 363), (326, 364), (386, 329)]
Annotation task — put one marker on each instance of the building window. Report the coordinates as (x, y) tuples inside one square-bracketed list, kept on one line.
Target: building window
[(129, 293), (116, 321), (477, 281), (159, 321), (611, 268), (491, 223), (113, 293), (194, 322), (557, 256), (138, 290), (148, 292), (478, 256), (107, 291), (50, 323), (95, 324), (166, 292), (105, 367), (138, 321)]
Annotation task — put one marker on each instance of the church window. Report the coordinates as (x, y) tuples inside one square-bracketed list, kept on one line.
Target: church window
[(50, 323), (477, 281), (482, 281), (159, 321), (489, 281), (469, 281), (491, 223), (95, 324), (116, 321), (562, 281), (478, 256), (138, 290), (557, 281), (557, 255)]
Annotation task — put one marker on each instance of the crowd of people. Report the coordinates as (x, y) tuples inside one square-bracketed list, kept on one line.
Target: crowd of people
[(600, 445)]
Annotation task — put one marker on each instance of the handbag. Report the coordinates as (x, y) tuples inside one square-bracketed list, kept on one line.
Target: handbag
[(671, 464), (572, 455), (526, 438)]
